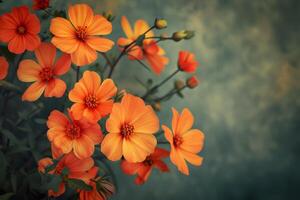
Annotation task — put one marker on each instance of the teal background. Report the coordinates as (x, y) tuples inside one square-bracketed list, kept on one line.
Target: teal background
[(247, 103)]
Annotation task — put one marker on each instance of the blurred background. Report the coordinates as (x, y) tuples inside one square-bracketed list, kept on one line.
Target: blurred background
[(247, 103)]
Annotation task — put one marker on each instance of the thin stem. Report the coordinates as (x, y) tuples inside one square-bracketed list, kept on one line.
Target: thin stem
[(170, 94), (160, 84), (77, 73), (123, 52), (163, 142)]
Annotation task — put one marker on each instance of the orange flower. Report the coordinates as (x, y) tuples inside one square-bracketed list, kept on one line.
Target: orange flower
[(185, 142), (131, 126), (143, 169), (149, 51), (44, 73), (187, 62), (107, 188), (3, 67), (69, 134), (77, 169), (78, 35), (20, 30), (40, 4), (92, 99)]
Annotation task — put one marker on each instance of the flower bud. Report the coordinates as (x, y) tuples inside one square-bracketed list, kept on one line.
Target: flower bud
[(156, 106), (192, 82), (179, 84), (161, 23), (108, 15), (189, 35), (179, 35)]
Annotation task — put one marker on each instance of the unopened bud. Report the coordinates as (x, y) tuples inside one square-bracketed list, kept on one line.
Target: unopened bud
[(156, 106), (108, 15), (179, 35), (192, 82), (161, 23), (189, 35), (179, 84)]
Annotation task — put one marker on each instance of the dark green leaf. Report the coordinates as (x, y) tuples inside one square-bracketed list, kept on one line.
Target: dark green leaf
[(3, 166), (12, 138), (6, 196), (180, 94), (65, 171), (54, 182), (139, 40), (78, 184)]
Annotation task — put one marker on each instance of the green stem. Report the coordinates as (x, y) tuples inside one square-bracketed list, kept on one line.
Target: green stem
[(77, 73), (153, 89), (169, 94)]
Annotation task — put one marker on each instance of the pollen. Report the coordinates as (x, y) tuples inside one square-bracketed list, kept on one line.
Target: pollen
[(126, 130), (81, 33), (91, 101), (73, 131), (46, 74), (177, 141), (21, 30)]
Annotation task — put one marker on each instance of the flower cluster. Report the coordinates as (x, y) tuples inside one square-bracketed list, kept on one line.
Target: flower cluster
[(101, 123)]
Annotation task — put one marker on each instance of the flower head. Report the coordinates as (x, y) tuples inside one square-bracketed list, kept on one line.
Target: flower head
[(3, 67), (131, 126), (78, 36), (187, 62), (67, 134), (192, 82), (185, 142), (144, 168), (149, 49), (40, 4), (77, 168), (20, 29), (44, 74), (102, 188), (92, 99)]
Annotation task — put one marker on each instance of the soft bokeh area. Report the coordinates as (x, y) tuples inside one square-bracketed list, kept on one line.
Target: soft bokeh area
[(247, 104)]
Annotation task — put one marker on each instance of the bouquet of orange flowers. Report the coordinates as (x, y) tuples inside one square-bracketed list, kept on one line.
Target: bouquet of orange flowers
[(90, 122)]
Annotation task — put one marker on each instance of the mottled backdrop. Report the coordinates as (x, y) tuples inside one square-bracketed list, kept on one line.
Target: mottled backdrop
[(247, 103)]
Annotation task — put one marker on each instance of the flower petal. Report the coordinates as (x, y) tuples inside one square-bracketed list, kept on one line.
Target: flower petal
[(77, 110), (192, 141), (67, 45), (64, 143), (78, 93), (126, 27), (177, 159), (33, 25), (100, 44), (57, 119), (83, 147), (32, 41), (78, 165), (45, 54), (61, 27), (62, 65), (146, 122), (17, 44), (185, 122), (84, 55), (3, 67), (81, 15), (99, 26), (105, 108), (192, 158), (129, 168), (34, 91), (106, 90), (140, 27), (94, 133), (91, 81), (111, 146), (55, 88), (28, 71)]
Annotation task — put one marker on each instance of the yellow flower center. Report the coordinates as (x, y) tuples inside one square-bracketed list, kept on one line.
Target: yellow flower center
[(177, 141), (148, 161), (81, 33), (46, 74), (126, 130), (73, 131), (91, 101), (21, 30)]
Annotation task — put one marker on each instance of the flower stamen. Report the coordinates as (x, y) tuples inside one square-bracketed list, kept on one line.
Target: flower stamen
[(177, 141), (91, 101), (148, 161), (73, 131), (126, 130), (21, 30), (46, 74), (81, 33)]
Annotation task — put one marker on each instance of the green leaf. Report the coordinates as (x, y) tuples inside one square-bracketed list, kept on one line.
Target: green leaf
[(180, 94), (65, 171), (40, 121), (78, 184), (18, 149), (3, 166), (54, 182), (10, 136), (6, 196)]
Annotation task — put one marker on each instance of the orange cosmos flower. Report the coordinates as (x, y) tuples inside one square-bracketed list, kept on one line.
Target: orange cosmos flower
[(143, 169), (69, 134), (185, 142), (3, 67), (131, 126), (106, 190), (20, 29), (44, 73), (92, 99), (78, 35), (187, 62), (40, 4), (149, 51), (77, 169)]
